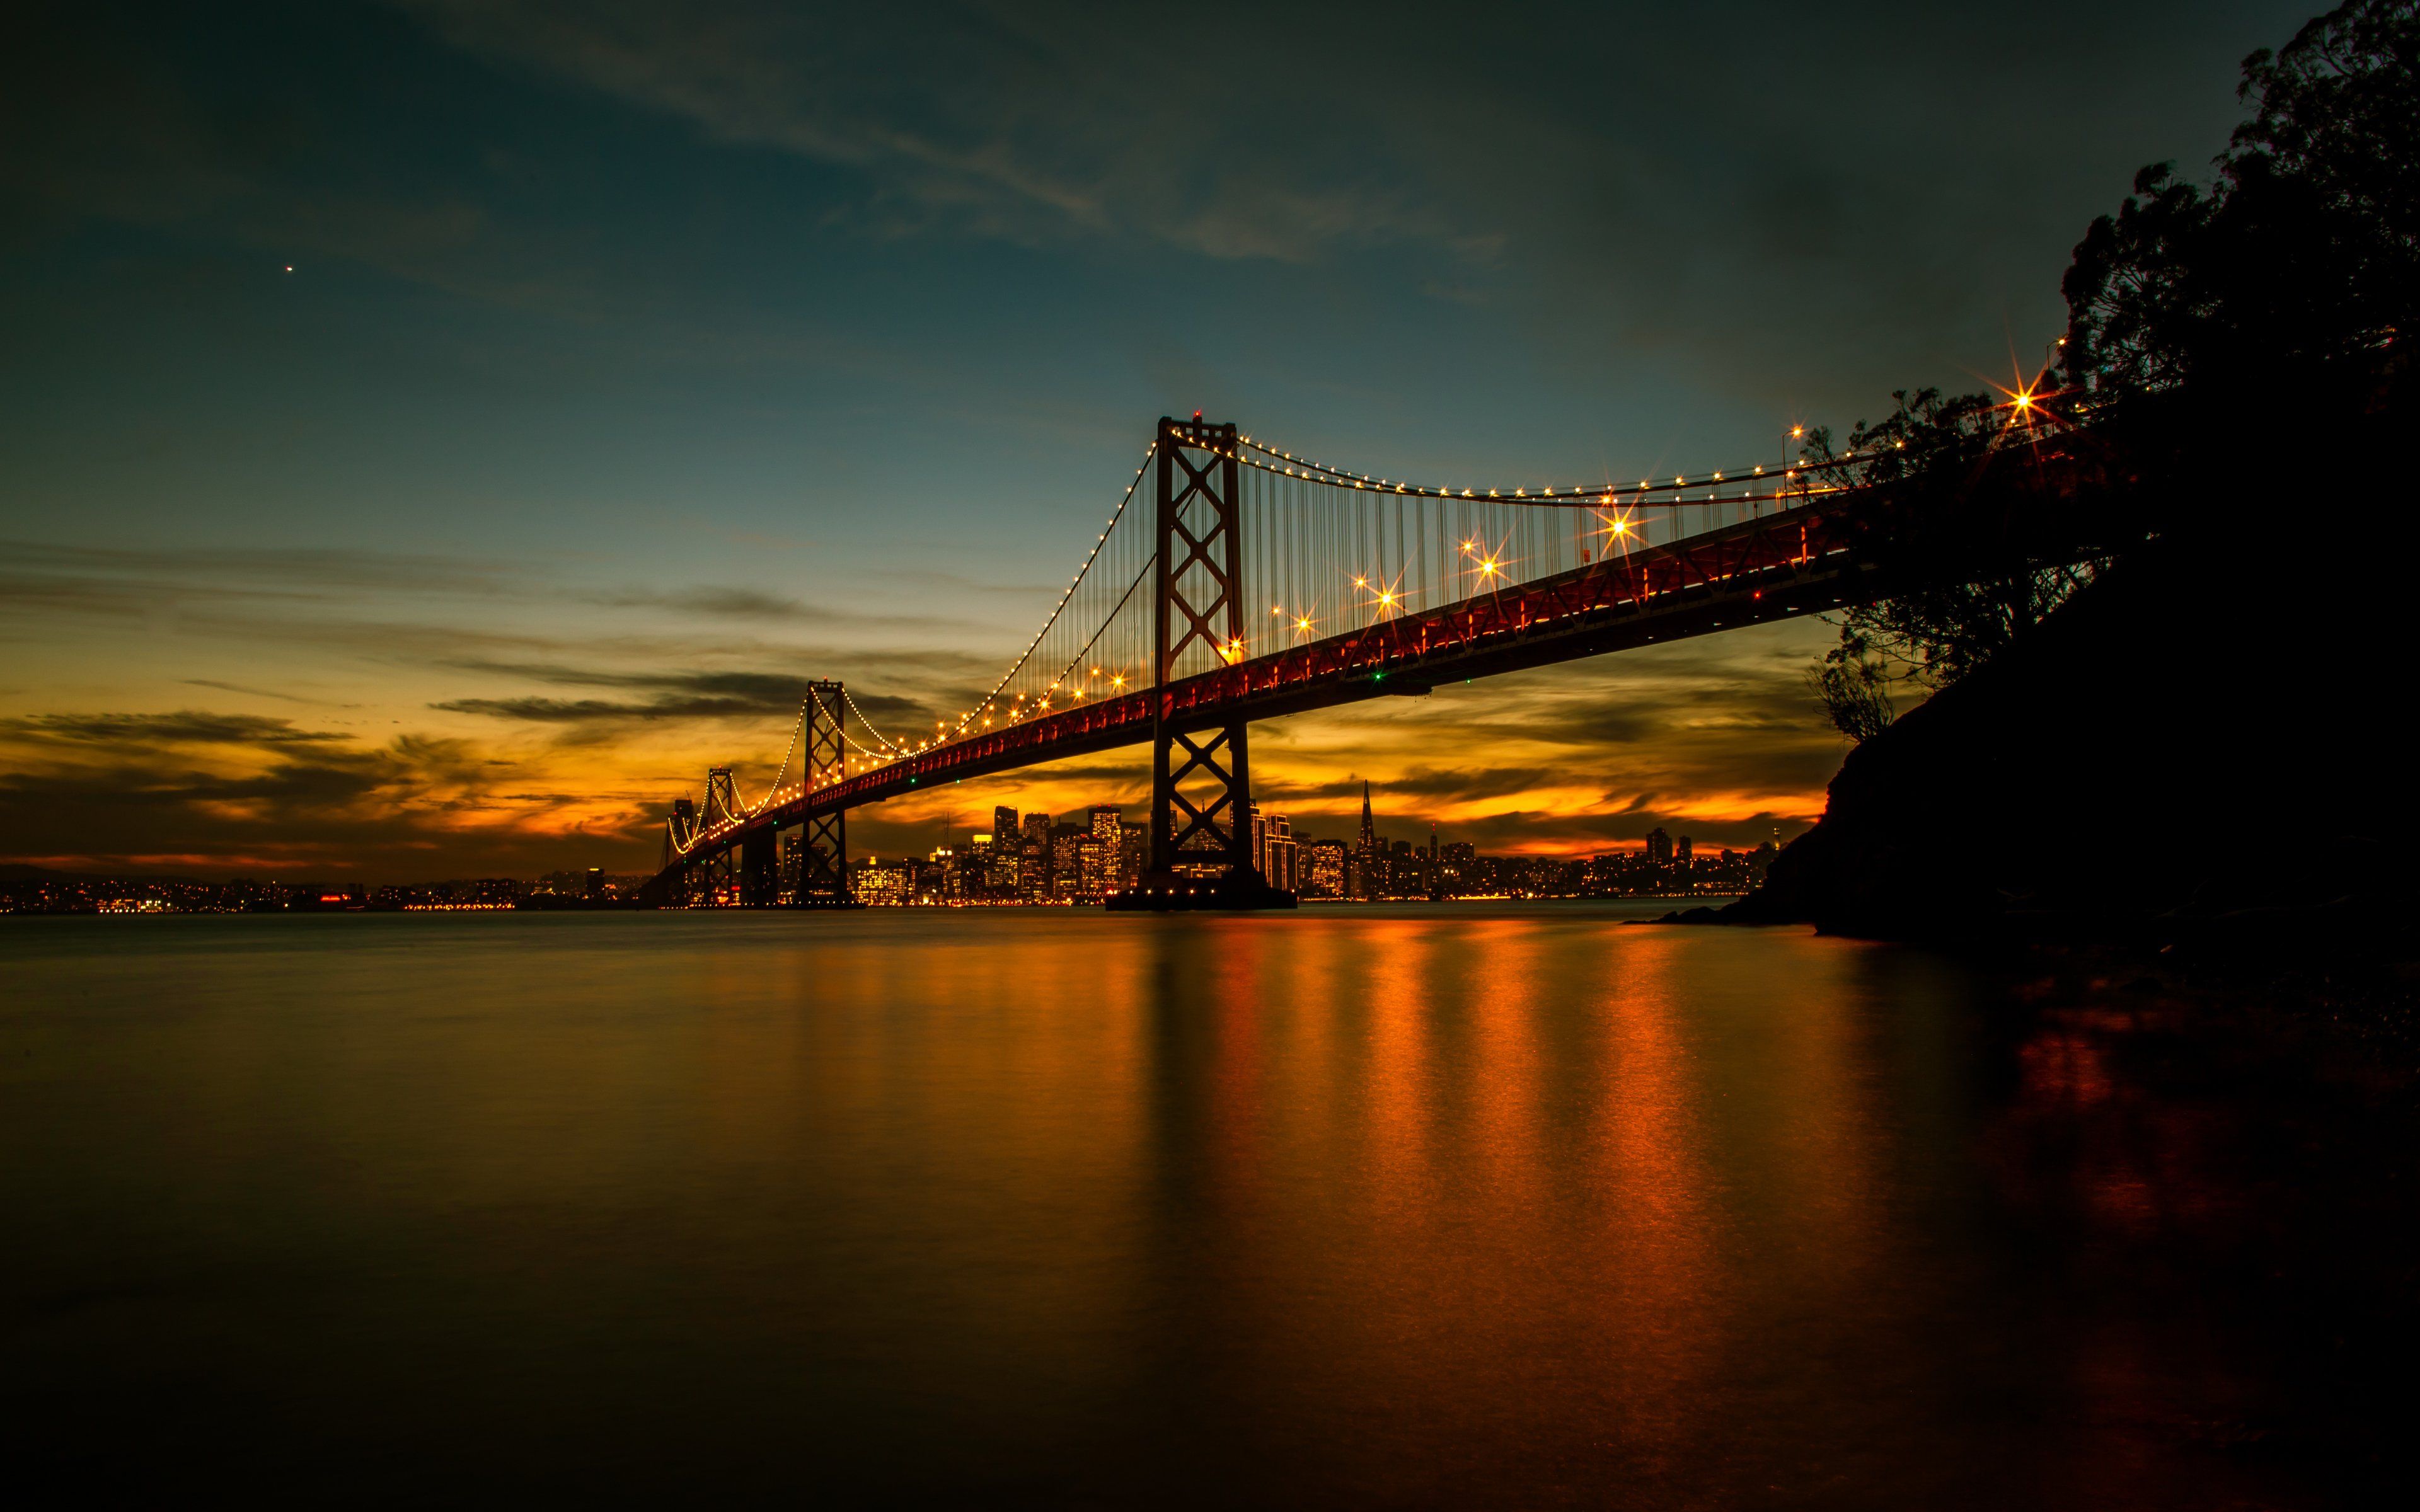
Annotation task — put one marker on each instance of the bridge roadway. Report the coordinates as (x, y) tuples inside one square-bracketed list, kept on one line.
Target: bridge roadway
[(1798, 561)]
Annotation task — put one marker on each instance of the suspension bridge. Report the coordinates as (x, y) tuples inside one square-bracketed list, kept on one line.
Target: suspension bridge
[(1237, 581)]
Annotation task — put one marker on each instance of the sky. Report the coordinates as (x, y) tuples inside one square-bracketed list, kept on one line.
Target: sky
[(432, 433)]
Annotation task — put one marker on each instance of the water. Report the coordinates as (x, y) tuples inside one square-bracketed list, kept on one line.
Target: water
[(1466, 1206)]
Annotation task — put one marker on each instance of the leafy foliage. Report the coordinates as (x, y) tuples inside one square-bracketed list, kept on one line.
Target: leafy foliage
[(2307, 251), (1940, 635), (1854, 687), (1933, 637), (1923, 431)]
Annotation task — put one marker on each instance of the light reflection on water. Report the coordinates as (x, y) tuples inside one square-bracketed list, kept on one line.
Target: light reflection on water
[(1412, 1207)]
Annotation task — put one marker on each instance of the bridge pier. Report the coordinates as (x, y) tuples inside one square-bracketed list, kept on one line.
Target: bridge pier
[(1200, 780), (760, 879)]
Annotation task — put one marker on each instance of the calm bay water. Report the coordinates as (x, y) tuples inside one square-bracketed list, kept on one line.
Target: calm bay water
[(1423, 1207)]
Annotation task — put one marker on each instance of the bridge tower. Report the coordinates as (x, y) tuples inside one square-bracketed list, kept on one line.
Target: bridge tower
[(1200, 780), (672, 880), (725, 878), (679, 829), (823, 839)]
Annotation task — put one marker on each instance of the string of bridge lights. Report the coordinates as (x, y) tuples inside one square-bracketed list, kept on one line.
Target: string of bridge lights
[(792, 750), (902, 749), (850, 699), (1276, 460), (840, 727)]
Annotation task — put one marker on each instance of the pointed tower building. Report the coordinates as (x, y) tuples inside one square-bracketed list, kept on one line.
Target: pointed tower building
[(1368, 855)]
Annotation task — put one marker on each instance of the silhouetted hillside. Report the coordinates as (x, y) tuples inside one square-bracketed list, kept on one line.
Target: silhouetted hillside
[(2213, 735)]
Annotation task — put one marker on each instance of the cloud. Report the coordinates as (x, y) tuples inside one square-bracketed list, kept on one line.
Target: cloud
[(219, 792), (250, 592), (316, 569), (216, 685), (956, 584), (431, 609), (728, 603), (676, 695), (706, 695), (750, 604), (184, 728), (1884, 201), (1032, 125), (590, 710)]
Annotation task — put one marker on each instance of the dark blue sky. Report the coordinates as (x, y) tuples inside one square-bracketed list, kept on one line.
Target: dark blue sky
[(630, 346)]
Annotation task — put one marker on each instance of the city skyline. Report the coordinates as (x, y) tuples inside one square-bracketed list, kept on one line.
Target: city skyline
[(1288, 856)]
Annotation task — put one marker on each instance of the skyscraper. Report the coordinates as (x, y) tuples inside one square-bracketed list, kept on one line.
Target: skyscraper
[(1134, 849), (1106, 822), (1068, 845), (1033, 880), (1366, 858), (1278, 859)]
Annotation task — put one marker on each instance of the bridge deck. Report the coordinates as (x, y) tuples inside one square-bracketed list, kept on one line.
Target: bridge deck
[(1795, 561)]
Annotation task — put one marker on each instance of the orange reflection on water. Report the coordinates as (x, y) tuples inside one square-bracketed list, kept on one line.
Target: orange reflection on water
[(1488, 1189), (1449, 1207), (1660, 1297)]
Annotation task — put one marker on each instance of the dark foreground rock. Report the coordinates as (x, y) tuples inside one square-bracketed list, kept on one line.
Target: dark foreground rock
[(2211, 746)]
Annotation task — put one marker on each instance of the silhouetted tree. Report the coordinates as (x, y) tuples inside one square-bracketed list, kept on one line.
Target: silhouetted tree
[(2304, 254), (1853, 686), (1931, 637), (2301, 261)]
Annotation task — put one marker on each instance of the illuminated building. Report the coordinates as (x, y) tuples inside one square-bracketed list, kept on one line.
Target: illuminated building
[(1134, 852), (1033, 856), (1273, 849), (1369, 860), (1109, 858), (1324, 869), (884, 885)]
